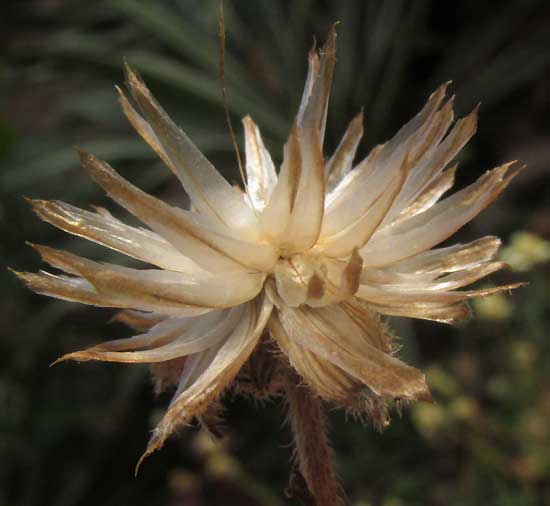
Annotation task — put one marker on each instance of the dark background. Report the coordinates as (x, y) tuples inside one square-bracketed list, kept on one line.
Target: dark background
[(71, 435)]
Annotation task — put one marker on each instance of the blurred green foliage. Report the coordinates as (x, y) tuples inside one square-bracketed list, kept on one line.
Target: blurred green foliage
[(71, 435)]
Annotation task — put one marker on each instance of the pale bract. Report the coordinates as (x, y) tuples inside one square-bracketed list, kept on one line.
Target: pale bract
[(309, 257)]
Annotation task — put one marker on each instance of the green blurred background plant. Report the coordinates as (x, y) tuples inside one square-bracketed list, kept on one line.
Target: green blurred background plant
[(71, 435)]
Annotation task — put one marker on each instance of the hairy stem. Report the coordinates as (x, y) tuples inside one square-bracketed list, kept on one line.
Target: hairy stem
[(312, 448)]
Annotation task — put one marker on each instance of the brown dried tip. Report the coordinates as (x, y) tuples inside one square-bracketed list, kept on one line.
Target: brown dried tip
[(133, 79), (87, 160), (315, 287), (329, 47), (23, 276), (425, 396), (33, 281), (61, 359), (155, 443), (81, 356), (351, 276)]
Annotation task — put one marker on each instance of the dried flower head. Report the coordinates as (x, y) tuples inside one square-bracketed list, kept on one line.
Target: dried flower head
[(296, 269)]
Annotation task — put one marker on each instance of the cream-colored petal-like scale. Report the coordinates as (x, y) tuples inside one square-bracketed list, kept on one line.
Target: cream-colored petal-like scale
[(308, 256)]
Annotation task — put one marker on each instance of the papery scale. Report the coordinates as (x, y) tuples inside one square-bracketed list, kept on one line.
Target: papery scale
[(311, 256)]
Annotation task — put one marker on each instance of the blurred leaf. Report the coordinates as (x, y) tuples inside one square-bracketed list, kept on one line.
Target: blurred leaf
[(56, 163), (8, 137)]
